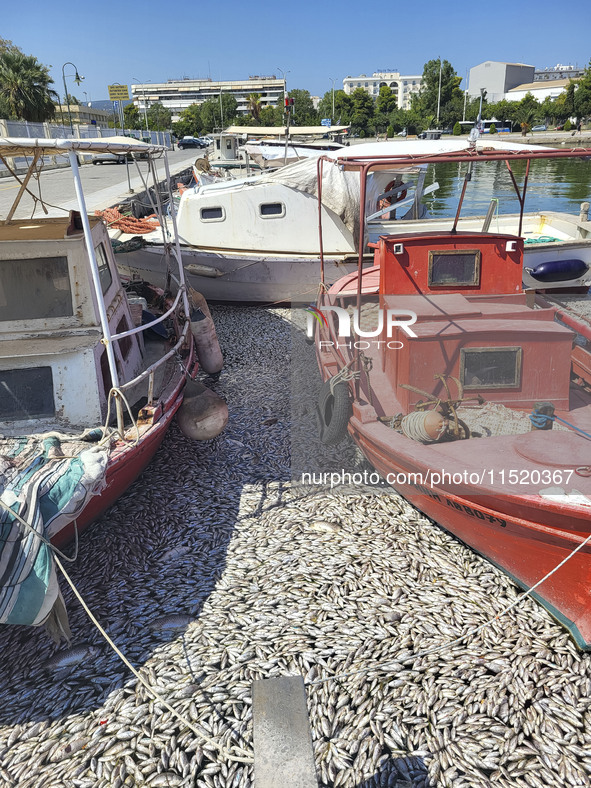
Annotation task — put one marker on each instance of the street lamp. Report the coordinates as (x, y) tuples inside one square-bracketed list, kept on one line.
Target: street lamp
[(284, 83), (333, 80), (77, 79), (145, 102)]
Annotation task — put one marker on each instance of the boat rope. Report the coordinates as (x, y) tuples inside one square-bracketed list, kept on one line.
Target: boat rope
[(444, 646), (539, 420), (413, 426), (343, 376), (28, 526), (241, 756), (108, 432)]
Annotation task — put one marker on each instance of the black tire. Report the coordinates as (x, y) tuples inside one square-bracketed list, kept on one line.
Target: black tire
[(334, 412)]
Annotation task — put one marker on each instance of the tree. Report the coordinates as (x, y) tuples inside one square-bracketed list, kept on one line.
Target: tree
[(431, 98), (159, 118), (361, 110), (254, 106), (70, 99), (387, 101), (583, 95), (131, 116), (271, 116), (342, 107), (303, 112), (189, 123), (25, 87)]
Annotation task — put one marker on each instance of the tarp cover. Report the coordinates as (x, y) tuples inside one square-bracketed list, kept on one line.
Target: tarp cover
[(48, 492), (25, 146)]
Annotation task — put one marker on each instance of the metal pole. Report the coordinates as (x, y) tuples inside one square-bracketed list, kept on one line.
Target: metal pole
[(67, 100), (333, 80), (96, 280), (439, 91)]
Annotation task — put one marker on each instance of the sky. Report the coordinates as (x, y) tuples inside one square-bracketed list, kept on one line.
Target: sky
[(312, 43)]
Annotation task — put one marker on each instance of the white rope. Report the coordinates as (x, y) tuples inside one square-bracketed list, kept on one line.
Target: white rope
[(109, 433), (413, 426), (242, 757), (436, 649)]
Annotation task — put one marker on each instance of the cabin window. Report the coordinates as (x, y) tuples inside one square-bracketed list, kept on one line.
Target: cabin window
[(215, 214), (35, 289), (269, 210), (490, 367), (451, 267), (105, 275), (26, 394), (125, 343)]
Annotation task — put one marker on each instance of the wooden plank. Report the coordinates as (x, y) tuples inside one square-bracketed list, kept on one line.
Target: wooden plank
[(283, 754)]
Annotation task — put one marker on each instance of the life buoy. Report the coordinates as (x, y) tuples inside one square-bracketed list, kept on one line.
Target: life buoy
[(334, 412), (392, 199)]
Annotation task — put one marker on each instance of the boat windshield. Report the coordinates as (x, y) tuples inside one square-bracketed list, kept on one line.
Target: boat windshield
[(35, 288)]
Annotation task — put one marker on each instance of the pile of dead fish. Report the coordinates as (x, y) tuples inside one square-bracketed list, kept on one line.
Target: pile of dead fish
[(215, 569)]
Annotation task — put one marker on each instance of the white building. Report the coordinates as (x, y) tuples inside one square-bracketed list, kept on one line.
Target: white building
[(178, 94), (539, 90), (558, 72), (403, 86), (497, 79)]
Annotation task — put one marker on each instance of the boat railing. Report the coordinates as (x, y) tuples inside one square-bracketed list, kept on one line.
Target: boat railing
[(146, 326)]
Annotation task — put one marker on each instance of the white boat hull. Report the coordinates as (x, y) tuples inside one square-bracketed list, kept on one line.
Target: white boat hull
[(241, 277)]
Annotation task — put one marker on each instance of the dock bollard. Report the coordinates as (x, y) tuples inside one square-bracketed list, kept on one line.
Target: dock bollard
[(283, 754)]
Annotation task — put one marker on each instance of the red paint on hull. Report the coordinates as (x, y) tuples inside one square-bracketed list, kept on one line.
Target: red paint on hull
[(124, 467), (517, 544)]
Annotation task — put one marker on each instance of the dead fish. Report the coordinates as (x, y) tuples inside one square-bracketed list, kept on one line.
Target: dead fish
[(168, 623), (175, 552), (323, 527), (71, 656), (269, 422)]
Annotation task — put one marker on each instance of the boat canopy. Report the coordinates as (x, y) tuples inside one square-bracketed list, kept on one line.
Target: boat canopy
[(26, 146), (281, 131)]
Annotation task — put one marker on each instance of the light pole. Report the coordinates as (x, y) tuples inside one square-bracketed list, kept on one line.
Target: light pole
[(333, 80), (284, 84), (77, 79), (145, 102), (439, 91)]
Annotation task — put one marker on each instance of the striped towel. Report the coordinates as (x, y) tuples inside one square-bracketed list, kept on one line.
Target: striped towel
[(48, 491)]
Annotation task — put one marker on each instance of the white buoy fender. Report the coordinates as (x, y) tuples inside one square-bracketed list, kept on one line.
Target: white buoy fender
[(206, 341), (203, 414)]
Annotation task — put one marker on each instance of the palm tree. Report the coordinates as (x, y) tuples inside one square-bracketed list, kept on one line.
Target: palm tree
[(254, 105), (25, 87)]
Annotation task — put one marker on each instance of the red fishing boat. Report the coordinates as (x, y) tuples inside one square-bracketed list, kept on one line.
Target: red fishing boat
[(472, 398)]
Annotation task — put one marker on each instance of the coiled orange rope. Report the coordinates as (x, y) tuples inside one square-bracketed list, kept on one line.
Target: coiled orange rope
[(113, 218)]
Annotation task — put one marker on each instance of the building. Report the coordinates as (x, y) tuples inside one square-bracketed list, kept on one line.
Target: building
[(497, 79), (539, 90), (403, 86), (179, 94), (82, 114), (558, 72)]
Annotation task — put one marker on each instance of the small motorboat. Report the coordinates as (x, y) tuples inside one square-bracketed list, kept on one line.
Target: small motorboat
[(92, 373), (472, 397), (256, 239)]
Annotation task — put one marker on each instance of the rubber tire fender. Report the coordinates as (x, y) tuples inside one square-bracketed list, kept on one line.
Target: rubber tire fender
[(334, 412)]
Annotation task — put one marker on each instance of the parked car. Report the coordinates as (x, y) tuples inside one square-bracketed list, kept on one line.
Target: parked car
[(108, 158), (206, 140), (539, 128), (191, 142)]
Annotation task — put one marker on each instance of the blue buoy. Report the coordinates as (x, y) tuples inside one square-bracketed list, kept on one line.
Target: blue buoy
[(558, 270)]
